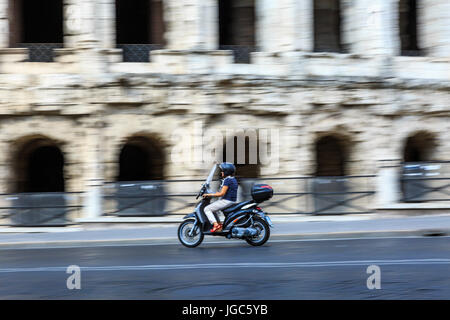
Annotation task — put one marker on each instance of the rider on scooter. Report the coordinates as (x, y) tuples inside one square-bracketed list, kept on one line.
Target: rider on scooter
[(228, 192)]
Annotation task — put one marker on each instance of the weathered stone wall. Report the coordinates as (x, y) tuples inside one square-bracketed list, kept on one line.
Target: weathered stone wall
[(90, 103), (363, 110)]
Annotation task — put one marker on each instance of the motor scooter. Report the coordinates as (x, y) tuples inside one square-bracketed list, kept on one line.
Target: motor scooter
[(244, 220)]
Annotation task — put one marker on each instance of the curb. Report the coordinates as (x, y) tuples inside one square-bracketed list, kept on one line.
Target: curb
[(174, 240), (117, 223)]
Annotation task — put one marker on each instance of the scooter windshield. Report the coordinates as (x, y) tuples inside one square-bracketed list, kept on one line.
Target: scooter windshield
[(212, 174)]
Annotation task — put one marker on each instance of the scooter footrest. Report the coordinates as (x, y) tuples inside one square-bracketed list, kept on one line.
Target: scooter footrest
[(214, 233)]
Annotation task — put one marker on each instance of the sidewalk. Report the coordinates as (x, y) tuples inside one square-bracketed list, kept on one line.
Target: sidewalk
[(292, 227)]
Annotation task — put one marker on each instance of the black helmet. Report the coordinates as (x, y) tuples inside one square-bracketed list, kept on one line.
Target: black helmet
[(228, 168)]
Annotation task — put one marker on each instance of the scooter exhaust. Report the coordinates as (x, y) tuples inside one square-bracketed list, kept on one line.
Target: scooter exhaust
[(238, 232)]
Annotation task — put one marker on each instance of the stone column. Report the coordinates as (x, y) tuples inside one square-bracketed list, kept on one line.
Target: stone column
[(84, 19), (191, 24), (87, 30), (79, 25), (4, 24), (89, 23), (267, 25), (434, 27), (72, 22), (302, 21), (370, 26), (106, 23), (388, 190), (9, 37), (295, 30), (93, 170), (284, 25)]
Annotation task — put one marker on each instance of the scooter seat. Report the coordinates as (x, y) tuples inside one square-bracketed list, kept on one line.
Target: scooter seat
[(236, 207)]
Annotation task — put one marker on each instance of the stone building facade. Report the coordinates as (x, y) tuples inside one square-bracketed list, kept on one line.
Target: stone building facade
[(350, 85)]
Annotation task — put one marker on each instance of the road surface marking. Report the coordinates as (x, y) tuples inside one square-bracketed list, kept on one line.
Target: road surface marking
[(131, 243), (237, 265)]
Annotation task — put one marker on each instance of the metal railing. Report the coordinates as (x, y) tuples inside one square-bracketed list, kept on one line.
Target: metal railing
[(241, 53), (39, 208), (150, 198), (307, 195), (412, 53), (426, 181), (41, 52), (138, 52), (320, 195)]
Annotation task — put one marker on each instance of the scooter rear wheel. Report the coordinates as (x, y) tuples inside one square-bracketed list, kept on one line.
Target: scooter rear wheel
[(264, 233), (183, 234)]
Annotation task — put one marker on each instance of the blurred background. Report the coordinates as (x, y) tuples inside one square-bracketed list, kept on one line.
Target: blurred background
[(92, 91), (350, 97)]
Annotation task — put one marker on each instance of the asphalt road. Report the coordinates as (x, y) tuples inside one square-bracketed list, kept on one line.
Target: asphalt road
[(410, 268)]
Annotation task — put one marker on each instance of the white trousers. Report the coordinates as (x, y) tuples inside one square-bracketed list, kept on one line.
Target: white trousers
[(216, 206)]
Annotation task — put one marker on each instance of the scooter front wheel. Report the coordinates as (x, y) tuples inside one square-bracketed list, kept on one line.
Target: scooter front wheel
[(184, 234)]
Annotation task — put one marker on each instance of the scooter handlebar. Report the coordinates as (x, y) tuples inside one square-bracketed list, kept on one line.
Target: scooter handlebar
[(204, 189), (201, 192)]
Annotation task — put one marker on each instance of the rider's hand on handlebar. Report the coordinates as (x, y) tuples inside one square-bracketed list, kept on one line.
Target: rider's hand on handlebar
[(206, 195)]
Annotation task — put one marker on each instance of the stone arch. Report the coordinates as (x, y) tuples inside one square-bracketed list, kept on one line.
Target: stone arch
[(243, 152), (37, 165), (419, 146), (242, 149), (332, 153), (141, 158)]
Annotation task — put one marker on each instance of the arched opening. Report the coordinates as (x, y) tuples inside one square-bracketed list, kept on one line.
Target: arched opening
[(37, 25), (243, 152), (39, 184), (39, 167), (141, 162), (139, 28), (331, 157), (407, 17), (141, 159), (327, 26), (329, 186), (45, 170), (237, 28), (418, 149)]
